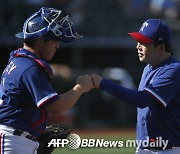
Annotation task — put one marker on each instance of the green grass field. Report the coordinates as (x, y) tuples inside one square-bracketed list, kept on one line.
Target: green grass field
[(110, 135)]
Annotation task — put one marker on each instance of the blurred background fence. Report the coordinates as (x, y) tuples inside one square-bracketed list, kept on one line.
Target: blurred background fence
[(105, 49)]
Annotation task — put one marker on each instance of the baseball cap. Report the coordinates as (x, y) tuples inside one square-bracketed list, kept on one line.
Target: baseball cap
[(153, 31)]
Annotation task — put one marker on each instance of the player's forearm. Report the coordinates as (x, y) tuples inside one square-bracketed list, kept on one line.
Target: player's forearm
[(133, 97), (69, 98), (66, 100)]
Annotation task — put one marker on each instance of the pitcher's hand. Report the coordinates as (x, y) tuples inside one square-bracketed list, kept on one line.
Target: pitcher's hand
[(96, 80)]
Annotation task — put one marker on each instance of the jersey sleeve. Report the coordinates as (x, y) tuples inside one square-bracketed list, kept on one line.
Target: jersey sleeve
[(35, 82), (165, 87)]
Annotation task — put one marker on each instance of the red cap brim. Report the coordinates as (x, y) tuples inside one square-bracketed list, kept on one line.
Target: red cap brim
[(140, 38)]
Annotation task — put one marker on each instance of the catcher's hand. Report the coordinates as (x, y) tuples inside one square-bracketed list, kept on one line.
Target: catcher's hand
[(51, 132)]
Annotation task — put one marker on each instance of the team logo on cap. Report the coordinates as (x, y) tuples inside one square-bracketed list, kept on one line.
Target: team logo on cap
[(145, 24)]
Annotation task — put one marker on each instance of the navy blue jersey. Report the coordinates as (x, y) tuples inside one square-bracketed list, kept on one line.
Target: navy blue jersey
[(161, 118), (157, 101), (25, 91)]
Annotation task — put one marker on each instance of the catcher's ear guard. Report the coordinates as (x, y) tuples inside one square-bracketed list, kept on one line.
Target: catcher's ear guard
[(50, 24)]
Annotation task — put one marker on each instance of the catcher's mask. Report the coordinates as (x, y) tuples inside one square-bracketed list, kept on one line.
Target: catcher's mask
[(50, 24)]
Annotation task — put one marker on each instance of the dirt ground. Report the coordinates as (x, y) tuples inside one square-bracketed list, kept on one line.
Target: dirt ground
[(105, 132)]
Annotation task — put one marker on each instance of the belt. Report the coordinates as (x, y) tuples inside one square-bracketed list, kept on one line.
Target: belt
[(20, 133)]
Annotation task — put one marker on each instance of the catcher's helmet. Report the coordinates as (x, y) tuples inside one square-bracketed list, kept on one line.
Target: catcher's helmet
[(49, 23)]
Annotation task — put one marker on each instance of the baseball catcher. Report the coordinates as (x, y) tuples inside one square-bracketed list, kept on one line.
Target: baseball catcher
[(26, 94)]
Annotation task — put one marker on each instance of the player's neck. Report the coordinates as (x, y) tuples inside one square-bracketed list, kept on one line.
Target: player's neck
[(31, 50), (160, 59)]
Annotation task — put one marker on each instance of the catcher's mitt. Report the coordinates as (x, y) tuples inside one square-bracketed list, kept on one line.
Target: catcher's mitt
[(51, 132)]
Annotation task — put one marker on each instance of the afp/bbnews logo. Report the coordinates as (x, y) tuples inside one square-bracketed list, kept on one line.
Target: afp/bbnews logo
[(74, 142)]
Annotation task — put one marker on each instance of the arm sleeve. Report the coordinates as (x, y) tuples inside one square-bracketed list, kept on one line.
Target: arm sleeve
[(136, 98), (163, 89), (35, 82)]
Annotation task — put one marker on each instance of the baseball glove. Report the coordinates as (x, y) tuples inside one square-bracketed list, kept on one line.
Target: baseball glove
[(51, 132)]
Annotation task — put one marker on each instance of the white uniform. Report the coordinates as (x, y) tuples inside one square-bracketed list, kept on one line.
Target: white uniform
[(12, 144)]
